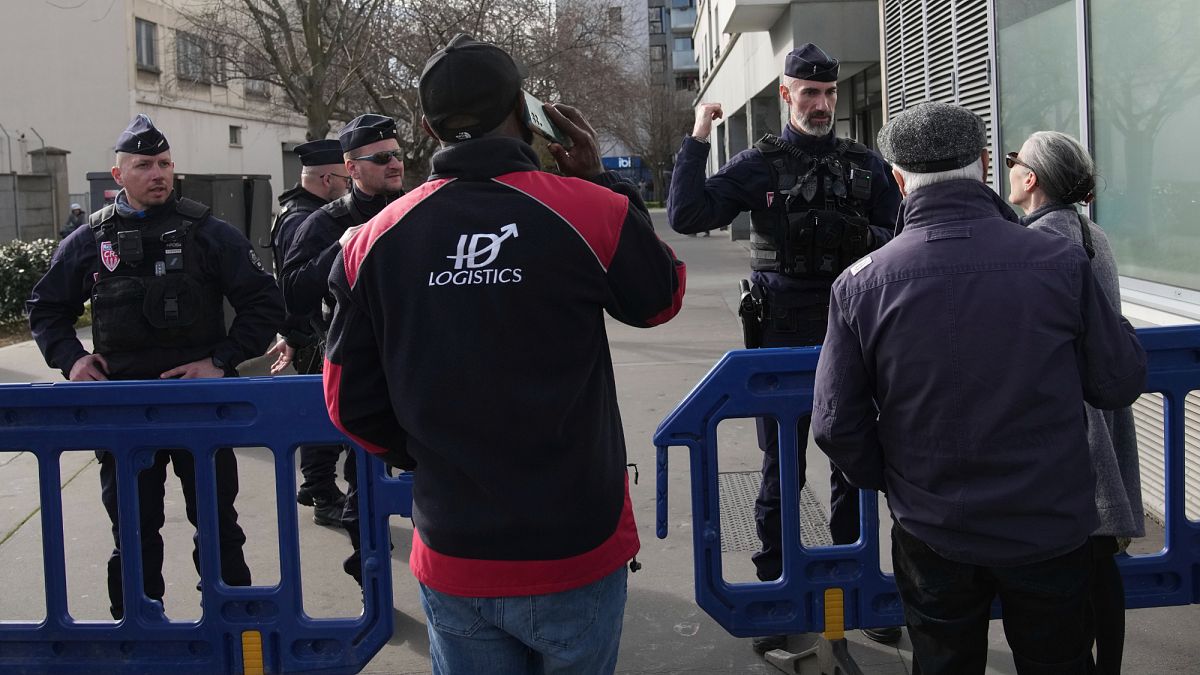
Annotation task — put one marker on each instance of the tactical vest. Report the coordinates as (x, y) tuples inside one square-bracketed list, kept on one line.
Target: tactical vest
[(291, 208), (815, 224), (150, 293), (345, 212)]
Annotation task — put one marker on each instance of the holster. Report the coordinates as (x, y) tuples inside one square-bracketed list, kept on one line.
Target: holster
[(751, 311)]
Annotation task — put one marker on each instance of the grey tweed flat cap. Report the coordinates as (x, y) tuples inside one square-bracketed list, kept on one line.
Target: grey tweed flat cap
[(933, 137)]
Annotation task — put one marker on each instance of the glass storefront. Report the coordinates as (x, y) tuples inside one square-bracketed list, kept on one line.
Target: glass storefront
[(1039, 71), (1145, 104)]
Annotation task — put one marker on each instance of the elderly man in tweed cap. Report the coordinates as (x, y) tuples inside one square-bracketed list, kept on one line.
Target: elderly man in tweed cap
[(953, 377)]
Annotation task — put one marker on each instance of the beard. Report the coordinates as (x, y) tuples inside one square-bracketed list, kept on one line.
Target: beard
[(816, 127)]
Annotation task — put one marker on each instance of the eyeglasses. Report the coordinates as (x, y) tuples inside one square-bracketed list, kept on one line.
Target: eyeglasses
[(1011, 158), (382, 157), (336, 175)]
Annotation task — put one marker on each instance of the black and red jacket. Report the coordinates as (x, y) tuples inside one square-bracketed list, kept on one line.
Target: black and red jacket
[(469, 343)]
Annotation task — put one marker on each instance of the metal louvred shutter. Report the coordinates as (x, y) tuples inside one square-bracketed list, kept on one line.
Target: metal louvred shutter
[(893, 65), (1148, 416), (937, 50)]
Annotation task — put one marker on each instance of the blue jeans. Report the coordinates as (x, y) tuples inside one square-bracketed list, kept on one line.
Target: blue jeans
[(576, 631)]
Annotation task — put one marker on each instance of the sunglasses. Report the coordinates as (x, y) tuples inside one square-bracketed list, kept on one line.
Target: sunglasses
[(1012, 159), (337, 175), (382, 157)]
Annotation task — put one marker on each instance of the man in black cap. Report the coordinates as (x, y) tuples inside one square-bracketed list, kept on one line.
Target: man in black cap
[(468, 341), (372, 158), (140, 262), (817, 203), (323, 178), (953, 378)]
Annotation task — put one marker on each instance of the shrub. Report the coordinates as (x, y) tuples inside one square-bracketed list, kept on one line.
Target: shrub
[(22, 264)]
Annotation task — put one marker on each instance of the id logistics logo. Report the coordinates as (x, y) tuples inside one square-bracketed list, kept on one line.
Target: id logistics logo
[(472, 259)]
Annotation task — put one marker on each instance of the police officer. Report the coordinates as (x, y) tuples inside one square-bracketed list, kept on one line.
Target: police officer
[(817, 203), (374, 162), (323, 178), (156, 269)]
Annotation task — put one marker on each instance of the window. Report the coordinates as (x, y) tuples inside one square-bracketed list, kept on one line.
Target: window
[(217, 62), (146, 35), (257, 74), (683, 44), (199, 60), (656, 20), (235, 136), (614, 16), (687, 83), (658, 58), (189, 57), (1039, 75), (1143, 114), (683, 4)]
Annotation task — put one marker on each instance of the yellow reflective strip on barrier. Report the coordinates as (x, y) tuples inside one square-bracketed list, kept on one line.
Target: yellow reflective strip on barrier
[(835, 615), (252, 655)]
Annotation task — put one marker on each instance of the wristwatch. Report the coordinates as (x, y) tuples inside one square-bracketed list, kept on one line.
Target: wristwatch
[(219, 362)]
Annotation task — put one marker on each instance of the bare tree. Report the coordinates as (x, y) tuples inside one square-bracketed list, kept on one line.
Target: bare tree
[(657, 118), (311, 51), (572, 51)]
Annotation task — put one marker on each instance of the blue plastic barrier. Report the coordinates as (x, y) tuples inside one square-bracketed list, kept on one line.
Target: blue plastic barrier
[(255, 629), (778, 383)]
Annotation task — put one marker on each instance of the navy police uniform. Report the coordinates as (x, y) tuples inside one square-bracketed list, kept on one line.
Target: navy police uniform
[(318, 463), (156, 280), (816, 205), (305, 284)]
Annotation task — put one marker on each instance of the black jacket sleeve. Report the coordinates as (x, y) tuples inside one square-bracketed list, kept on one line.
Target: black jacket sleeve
[(356, 387), (58, 297), (647, 281), (305, 275)]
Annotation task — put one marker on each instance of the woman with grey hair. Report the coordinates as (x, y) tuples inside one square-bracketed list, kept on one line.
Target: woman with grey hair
[(1050, 175)]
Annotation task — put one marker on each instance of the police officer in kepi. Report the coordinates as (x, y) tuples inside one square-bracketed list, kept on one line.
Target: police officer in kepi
[(323, 178), (817, 203), (374, 161), (157, 269)]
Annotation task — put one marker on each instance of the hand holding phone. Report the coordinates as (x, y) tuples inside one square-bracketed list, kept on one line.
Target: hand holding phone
[(582, 160), (540, 124)]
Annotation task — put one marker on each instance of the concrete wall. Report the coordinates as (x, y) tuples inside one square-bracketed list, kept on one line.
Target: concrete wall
[(33, 217)]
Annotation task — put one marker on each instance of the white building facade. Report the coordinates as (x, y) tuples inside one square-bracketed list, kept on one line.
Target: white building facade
[(76, 76)]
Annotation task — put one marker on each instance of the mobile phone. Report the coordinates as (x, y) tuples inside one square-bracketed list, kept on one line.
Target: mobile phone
[(538, 123)]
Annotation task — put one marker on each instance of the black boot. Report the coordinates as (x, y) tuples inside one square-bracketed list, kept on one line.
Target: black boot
[(888, 635), (766, 643), (327, 510)]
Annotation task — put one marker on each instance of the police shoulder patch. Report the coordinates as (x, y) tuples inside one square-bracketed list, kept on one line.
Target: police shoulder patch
[(256, 261)]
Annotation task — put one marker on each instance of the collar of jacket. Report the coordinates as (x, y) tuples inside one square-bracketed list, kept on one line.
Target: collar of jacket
[(125, 210), (952, 201), (817, 145), (298, 192), (372, 205), (484, 158), (1045, 210)]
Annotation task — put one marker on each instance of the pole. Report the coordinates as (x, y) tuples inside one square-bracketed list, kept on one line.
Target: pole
[(13, 172), (54, 215)]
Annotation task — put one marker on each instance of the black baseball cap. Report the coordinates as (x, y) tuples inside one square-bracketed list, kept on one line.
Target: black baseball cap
[(468, 88)]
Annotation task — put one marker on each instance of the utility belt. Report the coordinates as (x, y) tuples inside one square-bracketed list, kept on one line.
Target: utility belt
[(801, 324)]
